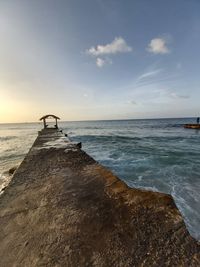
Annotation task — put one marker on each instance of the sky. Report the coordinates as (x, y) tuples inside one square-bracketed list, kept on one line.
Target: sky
[(99, 59)]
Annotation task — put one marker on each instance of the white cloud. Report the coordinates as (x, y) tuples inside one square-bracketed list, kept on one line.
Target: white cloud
[(149, 74), (100, 62), (118, 45), (158, 46)]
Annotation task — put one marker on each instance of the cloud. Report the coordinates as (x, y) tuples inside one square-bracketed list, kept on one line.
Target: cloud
[(132, 102), (100, 62), (154, 76), (175, 95), (149, 74), (169, 93), (118, 45), (158, 46)]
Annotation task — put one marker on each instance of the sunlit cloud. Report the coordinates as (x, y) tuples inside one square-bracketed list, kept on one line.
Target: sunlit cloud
[(100, 62), (158, 46), (118, 45)]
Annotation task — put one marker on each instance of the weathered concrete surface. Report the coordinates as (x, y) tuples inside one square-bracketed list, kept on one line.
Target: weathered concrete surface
[(64, 209)]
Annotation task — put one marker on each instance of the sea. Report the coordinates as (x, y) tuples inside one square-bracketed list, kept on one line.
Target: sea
[(154, 154)]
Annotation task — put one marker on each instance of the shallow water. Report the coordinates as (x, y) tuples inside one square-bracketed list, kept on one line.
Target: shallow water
[(159, 155)]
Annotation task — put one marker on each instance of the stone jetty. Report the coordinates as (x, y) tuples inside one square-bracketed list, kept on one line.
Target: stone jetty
[(62, 208)]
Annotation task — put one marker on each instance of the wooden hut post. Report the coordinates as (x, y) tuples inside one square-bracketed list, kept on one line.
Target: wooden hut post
[(44, 123), (50, 116)]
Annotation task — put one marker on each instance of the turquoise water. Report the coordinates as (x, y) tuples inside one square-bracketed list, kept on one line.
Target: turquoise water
[(158, 155)]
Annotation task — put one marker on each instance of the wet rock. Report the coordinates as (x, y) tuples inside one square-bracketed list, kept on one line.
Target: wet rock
[(79, 145), (12, 170)]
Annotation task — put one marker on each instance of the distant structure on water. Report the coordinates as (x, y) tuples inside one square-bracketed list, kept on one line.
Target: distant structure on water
[(50, 116), (193, 125)]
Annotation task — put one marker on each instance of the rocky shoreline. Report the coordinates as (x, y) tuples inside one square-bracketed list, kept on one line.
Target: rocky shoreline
[(62, 208)]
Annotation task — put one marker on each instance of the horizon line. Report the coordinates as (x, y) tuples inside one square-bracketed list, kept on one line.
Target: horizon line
[(61, 121)]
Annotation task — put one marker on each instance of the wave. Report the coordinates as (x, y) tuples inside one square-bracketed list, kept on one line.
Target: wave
[(6, 138), (105, 137), (4, 181), (12, 156)]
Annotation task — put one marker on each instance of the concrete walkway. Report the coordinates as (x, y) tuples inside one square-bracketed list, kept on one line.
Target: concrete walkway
[(64, 209)]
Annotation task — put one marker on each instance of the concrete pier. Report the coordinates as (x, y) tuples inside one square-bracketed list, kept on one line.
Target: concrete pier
[(62, 208)]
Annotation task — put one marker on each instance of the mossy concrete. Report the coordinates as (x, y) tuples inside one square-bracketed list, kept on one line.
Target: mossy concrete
[(62, 208)]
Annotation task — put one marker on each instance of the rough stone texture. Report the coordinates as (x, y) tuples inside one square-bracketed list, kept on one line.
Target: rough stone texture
[(64, 209), (12, 170)]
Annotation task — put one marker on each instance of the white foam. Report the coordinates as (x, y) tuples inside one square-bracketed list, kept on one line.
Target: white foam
[(4, 181), (61, 142)]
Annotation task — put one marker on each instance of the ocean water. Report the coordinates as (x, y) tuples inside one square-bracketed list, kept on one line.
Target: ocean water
[(158, 155)]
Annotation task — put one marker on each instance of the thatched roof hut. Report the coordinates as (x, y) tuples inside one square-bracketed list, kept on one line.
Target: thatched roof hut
[(50, 116)]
